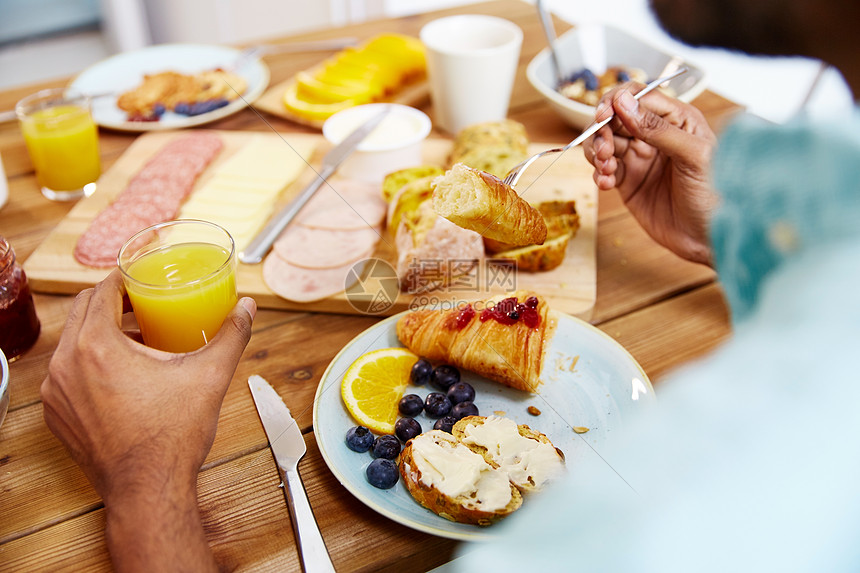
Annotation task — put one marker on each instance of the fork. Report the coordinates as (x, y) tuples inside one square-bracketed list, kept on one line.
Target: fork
[(514, 174), (258, 50)]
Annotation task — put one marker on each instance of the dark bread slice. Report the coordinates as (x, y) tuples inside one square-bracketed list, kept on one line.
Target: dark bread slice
[(561, 219), (454, 509), (536, 258)]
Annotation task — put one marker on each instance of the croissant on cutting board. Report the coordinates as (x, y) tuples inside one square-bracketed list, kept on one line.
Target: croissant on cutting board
[(503, 338)]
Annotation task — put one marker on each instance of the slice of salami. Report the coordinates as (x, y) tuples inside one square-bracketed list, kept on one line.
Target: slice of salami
[(157, 197), (195, 143), (101, 242), (324, 248), (153, 195), (305, 285)]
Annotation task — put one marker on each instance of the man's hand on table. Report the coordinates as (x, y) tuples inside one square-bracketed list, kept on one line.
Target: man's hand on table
[(657, 153), (140, 422)]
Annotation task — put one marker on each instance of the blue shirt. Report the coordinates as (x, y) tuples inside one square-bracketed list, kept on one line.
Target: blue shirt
[(750, 460)]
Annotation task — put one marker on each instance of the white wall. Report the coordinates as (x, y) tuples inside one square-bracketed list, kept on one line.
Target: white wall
[(771, 88), (232, 21)]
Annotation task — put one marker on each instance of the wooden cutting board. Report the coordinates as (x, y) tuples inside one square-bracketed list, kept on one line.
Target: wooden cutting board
[(570, 288)]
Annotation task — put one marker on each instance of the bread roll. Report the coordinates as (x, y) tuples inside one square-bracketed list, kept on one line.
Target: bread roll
[(394, 182), (492, 146)]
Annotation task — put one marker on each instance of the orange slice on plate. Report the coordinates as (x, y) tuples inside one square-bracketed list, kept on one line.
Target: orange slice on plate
[(373, 386)]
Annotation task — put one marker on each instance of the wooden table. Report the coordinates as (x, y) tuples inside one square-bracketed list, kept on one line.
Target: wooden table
[(663, 310)]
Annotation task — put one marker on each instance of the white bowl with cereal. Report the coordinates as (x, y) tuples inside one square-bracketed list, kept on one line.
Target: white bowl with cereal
[(623, 52)]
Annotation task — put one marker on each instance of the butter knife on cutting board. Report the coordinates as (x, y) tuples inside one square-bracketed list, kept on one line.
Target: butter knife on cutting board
[(288, 447), (261, 244)]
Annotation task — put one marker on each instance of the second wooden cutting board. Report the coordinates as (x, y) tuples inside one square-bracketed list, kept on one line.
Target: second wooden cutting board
[(570, 288)]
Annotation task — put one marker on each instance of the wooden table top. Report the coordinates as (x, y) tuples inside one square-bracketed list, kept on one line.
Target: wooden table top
[(665, 311)]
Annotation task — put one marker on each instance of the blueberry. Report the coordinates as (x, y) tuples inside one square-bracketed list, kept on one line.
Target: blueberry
[(386, 447), (359, 439), (158, 109), (461, 392), (443, 376), (464, 409), (420, 374), (410, 405), (622, 76), (208, 105), (437, 405), (198, 108), (182, 108), (590, 79), (445, 423), (407, 428), (382, 473)]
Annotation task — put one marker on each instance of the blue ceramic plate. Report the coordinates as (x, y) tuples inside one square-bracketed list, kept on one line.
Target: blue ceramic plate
[(589, 381)]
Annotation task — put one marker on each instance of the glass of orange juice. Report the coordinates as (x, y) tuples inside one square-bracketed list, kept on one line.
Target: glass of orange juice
[(180, 277), (63, 142)]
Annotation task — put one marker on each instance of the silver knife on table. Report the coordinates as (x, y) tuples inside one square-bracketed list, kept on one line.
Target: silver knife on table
[(288, 447), (261, 244)]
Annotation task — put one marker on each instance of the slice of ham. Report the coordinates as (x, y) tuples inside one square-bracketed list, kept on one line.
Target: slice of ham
[(306, 285), (325, 248), (359, 213), (341, 193), (314, 257)]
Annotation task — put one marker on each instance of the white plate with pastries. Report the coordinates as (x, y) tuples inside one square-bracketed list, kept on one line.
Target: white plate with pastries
[(119, 74), (589, 382)]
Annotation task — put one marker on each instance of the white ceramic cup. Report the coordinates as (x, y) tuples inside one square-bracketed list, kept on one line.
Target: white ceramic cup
[(471, 62)]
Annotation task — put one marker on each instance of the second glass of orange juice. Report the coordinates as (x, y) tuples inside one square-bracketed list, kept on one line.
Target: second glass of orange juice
[(63, 142), (180, 277)]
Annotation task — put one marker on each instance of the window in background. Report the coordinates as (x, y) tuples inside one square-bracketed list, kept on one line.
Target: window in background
[(22, 20)]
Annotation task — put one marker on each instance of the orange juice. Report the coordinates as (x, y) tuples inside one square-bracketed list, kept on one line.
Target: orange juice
[(63, 145), (181, 294)]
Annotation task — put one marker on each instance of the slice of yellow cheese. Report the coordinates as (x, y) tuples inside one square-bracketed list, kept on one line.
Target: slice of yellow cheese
[(202, 208), (242, 191), (237, 190), (268, 159)]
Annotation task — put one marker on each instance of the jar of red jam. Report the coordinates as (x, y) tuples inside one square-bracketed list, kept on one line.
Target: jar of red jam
[(19, 325)]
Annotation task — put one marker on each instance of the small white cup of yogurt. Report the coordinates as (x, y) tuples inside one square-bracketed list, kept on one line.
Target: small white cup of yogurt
[(395, 143)]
